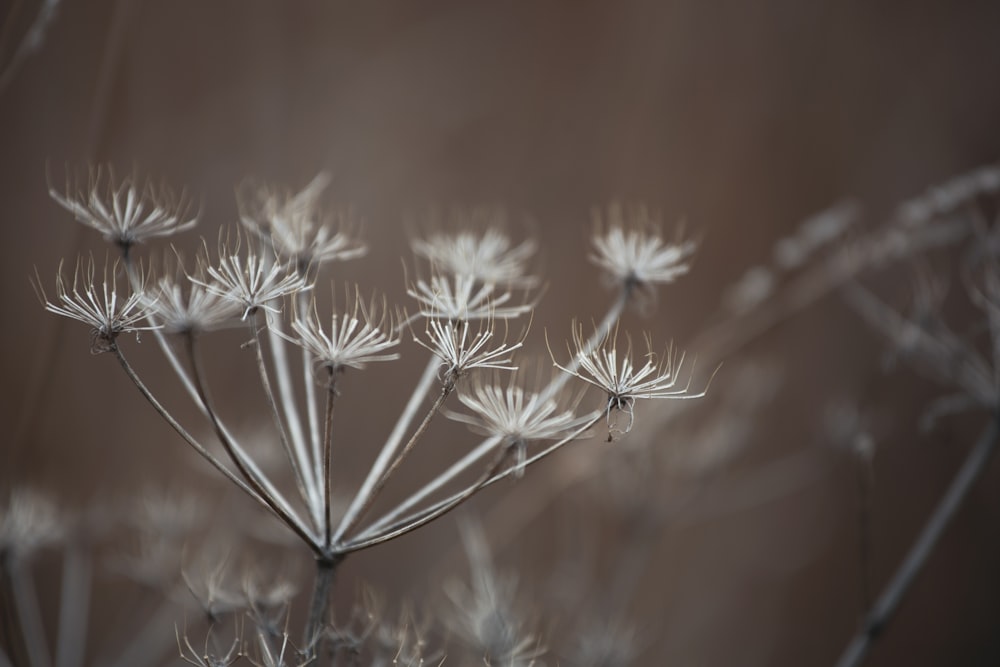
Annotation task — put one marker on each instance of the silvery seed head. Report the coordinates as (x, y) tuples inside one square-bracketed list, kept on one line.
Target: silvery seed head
[(126, 211)]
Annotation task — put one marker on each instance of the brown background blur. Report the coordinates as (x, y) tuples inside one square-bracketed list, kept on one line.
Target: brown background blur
[(741, 118)]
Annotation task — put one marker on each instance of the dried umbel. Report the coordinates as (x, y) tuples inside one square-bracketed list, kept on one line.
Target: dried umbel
[(99, 303), (477, 280)]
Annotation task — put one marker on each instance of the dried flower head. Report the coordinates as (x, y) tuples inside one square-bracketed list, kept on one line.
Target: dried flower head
[(489, 257), (461, 350), (634, 253), (249, 281), (463, 298), (485, 617), (183, 304), (100, 306), (358, 335), (623, 379), (126, 212), (298, 228), (515, 415)]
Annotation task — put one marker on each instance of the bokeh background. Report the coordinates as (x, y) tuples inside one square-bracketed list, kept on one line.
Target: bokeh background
[(740, 119)]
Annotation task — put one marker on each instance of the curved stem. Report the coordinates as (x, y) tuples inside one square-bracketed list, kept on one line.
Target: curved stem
[(252, 478), (181, 431)]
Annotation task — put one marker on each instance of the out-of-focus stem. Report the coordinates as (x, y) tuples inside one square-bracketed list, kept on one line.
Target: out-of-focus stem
[(885, 607), (74, 607)]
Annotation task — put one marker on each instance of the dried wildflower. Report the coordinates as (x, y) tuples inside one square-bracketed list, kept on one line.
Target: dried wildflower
[(634, 254), (463, 298), (461, 351), (249, 281), (298, 229), (213, 586), (485, 616), (207, 657), (515, 415), (126, 212), (189, 306), (357, 336), (108, 314), (489, 257), (624, 380)]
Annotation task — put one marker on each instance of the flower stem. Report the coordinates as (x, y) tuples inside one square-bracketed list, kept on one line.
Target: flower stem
[(446, 391), (319, 606)]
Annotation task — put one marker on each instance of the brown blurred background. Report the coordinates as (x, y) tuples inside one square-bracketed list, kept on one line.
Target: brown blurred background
[(739, 118)]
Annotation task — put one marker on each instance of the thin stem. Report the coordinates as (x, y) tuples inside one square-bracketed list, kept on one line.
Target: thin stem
[(28, 612), (254, 479), (389, 448), (446, 391), (425, 517), (310, 391), (885, 607), (74, 605), (331, 395), (864, 474), (272, 403), (181, 431), (402, 526)]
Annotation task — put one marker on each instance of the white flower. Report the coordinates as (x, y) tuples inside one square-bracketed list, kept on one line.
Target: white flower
[(461, 351), (298, 229), (460, 298), (126, 212), (489, 257), (635, 254), (357, 336), (625, 380), (100, 306), (248, 281)]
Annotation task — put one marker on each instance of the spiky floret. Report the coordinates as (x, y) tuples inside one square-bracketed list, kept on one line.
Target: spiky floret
[(250, 281), (489, 257), (359, 334), (623, 378), (298, 228), (100, 306), (634, 253), (464, 298), (462, 350), (181, 304), (126, 211)]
